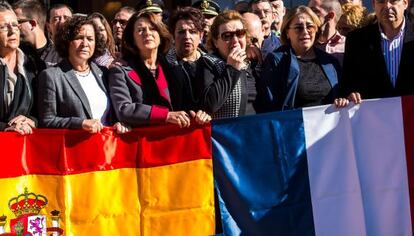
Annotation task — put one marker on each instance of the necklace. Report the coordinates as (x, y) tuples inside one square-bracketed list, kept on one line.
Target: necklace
[(84, 73)]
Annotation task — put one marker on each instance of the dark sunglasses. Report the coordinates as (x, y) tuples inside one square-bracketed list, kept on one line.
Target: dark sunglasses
[(121, 22), (228, 35)]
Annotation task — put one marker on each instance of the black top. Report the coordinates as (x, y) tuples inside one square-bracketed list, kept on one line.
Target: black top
[(251, 92), (313, 88)]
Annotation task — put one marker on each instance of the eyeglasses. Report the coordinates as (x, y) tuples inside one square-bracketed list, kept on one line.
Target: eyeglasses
[(300, 28), (121, 22), (228, 35), (14, 26)]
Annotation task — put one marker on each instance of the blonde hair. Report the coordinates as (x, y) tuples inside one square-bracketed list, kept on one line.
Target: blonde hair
[(353, 15), (291, 15)]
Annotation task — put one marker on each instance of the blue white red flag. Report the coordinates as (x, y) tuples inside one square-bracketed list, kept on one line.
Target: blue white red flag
[(317, 171)]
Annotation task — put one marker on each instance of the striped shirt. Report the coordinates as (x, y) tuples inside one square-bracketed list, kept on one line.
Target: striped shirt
[(392, 48)]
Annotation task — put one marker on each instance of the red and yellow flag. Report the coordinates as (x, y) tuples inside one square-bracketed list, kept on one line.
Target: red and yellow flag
[(152, 181)]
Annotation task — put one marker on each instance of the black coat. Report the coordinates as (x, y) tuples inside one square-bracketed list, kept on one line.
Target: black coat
[(23, 95), (364, 68)]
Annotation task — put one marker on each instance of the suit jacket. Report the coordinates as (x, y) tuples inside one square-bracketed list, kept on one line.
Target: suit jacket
[(364, 67), (138, 98), (61, 100), (280, 77), (23, 94)]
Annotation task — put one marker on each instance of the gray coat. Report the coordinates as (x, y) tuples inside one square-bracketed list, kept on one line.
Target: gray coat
[(62, 103)]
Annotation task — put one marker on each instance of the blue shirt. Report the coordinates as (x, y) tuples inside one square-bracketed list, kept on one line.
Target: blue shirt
[(392, 48)]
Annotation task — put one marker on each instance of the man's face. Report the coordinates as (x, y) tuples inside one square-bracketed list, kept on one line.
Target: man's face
[(119, 23), (315, 5), (390, 12), (265, 13), (57, 18), (26, 29), (187, 38), (278, 11)]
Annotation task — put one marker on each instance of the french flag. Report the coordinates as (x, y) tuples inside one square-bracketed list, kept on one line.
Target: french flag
[(318, 171)]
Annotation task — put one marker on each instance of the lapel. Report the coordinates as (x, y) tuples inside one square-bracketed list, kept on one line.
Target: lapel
[(144, 76), (327, 68), (375, 49), (70, 77)]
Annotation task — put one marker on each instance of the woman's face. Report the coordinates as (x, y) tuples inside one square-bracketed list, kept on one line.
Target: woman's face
[(82, 47), (101, 28), (146, 37), (301, 33), (231, 34)]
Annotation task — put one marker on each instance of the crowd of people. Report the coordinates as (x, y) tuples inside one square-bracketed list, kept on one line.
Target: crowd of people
[(61, 69)]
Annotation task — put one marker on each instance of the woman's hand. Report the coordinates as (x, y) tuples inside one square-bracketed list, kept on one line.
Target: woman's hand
[(201, 117), (21, 128), (21, 124), (121, 128), (237, 58), (180, 118), (20, 119), (92, 125), (355, 97), (341, 102)]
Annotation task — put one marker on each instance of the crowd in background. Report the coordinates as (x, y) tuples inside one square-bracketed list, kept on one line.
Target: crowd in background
[(61, 69)]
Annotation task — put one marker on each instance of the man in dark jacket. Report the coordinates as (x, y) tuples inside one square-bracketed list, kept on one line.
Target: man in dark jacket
[(378, 57)]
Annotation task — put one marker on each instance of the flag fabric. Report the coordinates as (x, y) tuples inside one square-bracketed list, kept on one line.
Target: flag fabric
[(317, 171), (152, 181)]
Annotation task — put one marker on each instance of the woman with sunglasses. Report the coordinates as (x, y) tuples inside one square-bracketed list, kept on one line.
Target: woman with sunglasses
[(298, 74), (227, 86)]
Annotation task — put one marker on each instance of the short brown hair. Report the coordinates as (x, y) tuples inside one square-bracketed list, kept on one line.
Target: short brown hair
[(222, 18), (187, 13), (291, 15), (33, 9), (129, 49), (70, 30)]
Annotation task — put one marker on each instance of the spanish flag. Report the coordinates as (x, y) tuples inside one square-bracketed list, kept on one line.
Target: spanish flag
[(152, 181)]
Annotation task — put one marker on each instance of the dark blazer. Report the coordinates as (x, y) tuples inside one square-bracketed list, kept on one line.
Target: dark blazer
[(364, 68), (135, 93), (61, 100), (280, 76), (23, 94)]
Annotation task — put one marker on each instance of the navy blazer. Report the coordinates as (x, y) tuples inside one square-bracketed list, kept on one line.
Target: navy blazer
[(280, 77), (62, 103)]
